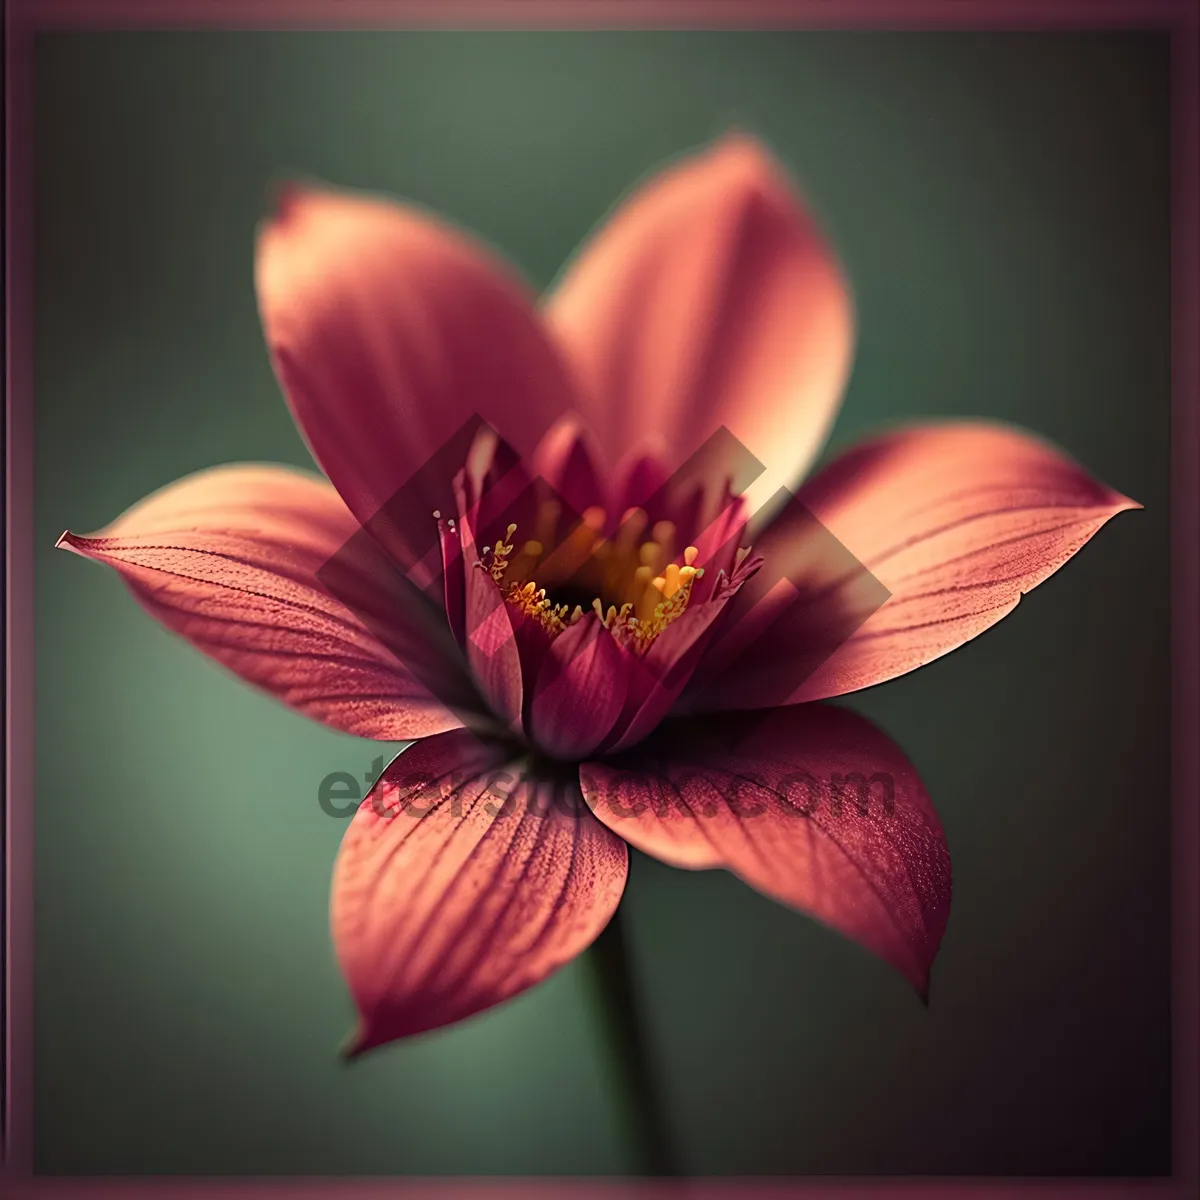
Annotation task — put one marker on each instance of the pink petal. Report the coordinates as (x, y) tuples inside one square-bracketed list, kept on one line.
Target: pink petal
[(491, 646), (709, 299), (389, 330), (449, 898), (580, 690), (957, 521), (567, 461), (229, 557), (806, 598), (639, 476), (662, 674), (777, 797)]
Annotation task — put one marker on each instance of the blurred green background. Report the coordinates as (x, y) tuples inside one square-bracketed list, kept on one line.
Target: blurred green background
[(1001, 203)]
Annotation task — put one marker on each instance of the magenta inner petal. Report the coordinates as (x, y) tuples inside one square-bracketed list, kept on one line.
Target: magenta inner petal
[(580, 690)]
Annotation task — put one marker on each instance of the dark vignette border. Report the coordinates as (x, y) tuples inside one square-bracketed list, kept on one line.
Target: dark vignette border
[(24, 18)]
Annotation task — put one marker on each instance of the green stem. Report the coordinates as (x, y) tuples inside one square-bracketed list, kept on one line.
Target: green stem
[(628, 1059)]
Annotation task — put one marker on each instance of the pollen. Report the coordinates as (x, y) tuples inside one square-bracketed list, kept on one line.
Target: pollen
[(498, 566), (532, 601), (640, 586)]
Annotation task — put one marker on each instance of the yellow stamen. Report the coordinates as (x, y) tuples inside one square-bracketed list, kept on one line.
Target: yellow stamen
[(664, 534), (500, 553), (649, 588)]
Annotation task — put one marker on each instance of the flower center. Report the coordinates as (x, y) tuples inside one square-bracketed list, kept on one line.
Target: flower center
[(636, 583)]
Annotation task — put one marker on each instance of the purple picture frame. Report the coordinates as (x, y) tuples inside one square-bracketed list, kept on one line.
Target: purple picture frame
[(25, 18)]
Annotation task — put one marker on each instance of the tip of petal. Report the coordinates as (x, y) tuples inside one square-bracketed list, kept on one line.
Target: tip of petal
[(739, 143), (68, 541), (354, 1045), (364, 1038), (288, 205), (748, 159), (1113, 502), (283, 199)]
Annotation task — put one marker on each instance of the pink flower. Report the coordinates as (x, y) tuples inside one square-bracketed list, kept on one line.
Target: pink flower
[(707, 316)]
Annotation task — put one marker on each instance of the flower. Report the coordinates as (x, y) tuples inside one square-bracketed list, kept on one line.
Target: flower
[(542, 535)]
